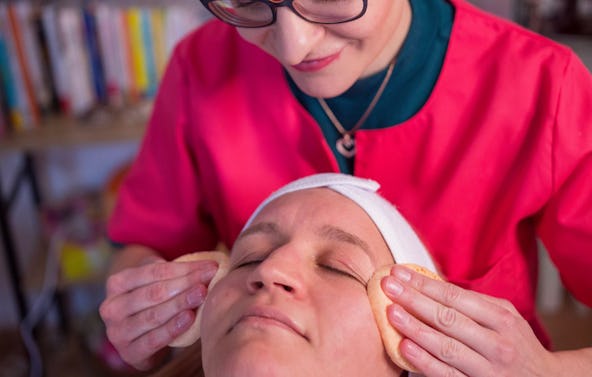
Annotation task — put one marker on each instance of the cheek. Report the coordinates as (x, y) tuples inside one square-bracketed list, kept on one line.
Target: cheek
[(351, 318), (352, 335), (354, 31), (217, 309), (254, 36)]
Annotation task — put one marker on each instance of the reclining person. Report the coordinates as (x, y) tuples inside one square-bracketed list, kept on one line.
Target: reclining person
[(294, 301)]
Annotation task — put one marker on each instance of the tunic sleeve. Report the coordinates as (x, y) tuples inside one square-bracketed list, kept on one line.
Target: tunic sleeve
[(566, 224), (160, 203)]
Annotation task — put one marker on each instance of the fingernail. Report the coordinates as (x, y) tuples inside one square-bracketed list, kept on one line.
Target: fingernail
[(411, 350), (183, 320), (399, 315), (393, 287), (196, 297), (206, 273), (402, 274), (210, 274)]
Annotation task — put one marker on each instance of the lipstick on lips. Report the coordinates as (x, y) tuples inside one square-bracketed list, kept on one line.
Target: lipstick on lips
[(314, 65)]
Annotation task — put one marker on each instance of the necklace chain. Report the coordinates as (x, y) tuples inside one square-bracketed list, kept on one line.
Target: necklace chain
[(346, 145)]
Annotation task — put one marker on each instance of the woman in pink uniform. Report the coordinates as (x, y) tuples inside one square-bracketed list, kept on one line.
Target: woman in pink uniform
[(479, 131)]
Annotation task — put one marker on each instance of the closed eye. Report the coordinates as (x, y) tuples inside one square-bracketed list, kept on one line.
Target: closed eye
[(245, 264), (342, 272), (246, 260)]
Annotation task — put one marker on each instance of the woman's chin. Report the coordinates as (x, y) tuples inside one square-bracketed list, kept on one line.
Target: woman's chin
[(323, 86)]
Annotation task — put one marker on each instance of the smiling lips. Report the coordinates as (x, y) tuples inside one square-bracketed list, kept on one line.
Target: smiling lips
[(268, 317), (314, 65)]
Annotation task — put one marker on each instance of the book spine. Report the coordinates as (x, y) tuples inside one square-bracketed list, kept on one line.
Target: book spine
[(56, 54), (120, 48), (30, 110), (134, 19), (106, 29), (158, 41), (13, 92), (133, 89), (7, 85), (45, 62), (27, 13), (82, 95), (94, 53), (149, 59)]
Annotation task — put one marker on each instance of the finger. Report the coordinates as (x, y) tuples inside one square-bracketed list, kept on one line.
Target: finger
[(150, 343), (482, 309), (446, 352), (484, 334), (125, 305), (133, 278), (426, 363), (156, 316)]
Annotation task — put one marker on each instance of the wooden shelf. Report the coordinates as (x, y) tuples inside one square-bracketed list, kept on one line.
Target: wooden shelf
[(102, 126)]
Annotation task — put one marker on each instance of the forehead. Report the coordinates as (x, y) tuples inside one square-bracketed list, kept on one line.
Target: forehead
[(309, 210), (315, 203)]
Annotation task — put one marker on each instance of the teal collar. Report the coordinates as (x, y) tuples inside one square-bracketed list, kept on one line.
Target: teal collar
[(416, 72)]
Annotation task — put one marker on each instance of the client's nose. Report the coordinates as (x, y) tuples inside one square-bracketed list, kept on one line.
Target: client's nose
[(279, 272)]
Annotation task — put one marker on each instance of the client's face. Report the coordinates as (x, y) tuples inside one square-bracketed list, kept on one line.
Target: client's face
[(294, 302)]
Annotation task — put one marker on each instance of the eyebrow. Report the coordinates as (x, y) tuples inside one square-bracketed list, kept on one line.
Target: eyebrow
[(337, 234), (326, 231), (265, 227)]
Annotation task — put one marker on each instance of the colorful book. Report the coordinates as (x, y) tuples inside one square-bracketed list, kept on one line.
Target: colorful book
[(110, 47), (25, 88), (56, 55), (158, 41), (133, 89), (137, 51), (15, 99), (8, 92), (80, 85), (149, 58), (51, 104), (94, 53), (27, 13)]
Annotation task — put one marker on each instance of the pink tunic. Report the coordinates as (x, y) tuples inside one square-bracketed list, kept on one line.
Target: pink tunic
[(500, 154)]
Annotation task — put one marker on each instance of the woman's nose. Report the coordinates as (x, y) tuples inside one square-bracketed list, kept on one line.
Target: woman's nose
[(278, 273), (294, 37)]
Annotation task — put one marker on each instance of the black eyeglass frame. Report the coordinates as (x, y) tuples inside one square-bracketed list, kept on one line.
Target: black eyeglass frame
[(273, 5)]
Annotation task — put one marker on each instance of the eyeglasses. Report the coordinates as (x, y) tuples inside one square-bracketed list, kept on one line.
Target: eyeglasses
[(259, 13)]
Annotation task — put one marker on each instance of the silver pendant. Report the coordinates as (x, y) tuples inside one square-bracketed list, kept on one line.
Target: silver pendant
[(346, 146)]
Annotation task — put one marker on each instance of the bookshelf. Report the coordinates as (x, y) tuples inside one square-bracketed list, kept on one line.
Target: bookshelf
[(76, 73), (56, 131), (63, 131)]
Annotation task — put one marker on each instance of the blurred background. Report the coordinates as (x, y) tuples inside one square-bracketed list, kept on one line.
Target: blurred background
[(77, 82)]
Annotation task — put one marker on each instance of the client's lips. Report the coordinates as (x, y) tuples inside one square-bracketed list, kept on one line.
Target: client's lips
[(268, 316), (313, 65)]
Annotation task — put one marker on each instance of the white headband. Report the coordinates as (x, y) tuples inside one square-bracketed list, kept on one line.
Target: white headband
[(401, 239)]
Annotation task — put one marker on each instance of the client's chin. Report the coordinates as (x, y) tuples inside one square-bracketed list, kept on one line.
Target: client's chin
[(255, 356)]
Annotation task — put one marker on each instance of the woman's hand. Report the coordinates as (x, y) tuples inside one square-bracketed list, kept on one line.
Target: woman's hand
[(451, 331), (148, 305)]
